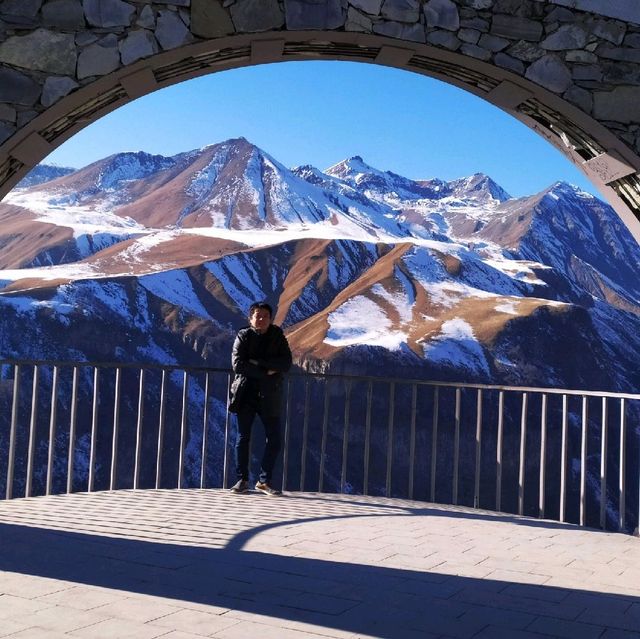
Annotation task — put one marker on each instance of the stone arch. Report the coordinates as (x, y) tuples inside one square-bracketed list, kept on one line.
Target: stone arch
[(570, 74)]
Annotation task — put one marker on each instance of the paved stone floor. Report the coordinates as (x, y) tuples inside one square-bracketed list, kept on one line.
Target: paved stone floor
[(194, 563)]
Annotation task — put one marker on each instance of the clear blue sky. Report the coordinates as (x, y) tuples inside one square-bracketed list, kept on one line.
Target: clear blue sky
[(322, 112)]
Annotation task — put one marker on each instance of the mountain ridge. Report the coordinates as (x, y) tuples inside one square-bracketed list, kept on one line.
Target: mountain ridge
[(366, 267)]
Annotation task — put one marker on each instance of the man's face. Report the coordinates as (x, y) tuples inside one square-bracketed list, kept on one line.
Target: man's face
[(260, 319)]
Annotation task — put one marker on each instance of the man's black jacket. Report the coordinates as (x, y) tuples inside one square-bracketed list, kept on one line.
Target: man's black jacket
[(271, 352)]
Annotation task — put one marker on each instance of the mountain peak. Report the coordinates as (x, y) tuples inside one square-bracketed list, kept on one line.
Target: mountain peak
[(479, 186)]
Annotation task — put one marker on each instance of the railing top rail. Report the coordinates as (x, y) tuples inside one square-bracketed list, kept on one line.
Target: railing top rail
[(366, 378)]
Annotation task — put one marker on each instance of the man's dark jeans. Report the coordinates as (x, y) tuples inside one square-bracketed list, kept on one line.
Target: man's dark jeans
[(271, 424)]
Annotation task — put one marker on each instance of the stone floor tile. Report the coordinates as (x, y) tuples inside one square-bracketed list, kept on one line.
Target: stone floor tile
[(194, 621), (513, 576), (11, 626), (29, 587), (543, 593), (81, 597), (64, 619), (620, 634), (497, 632), (177, 634), (12, 607), (565, 628), (135, 609), (246, 629), (118, 629), (322, 627), (39, 633)]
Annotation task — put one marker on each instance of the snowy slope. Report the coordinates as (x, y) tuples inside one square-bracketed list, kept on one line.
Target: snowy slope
[(165, 255)]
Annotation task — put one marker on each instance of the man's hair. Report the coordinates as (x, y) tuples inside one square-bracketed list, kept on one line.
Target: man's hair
[(263, 305)]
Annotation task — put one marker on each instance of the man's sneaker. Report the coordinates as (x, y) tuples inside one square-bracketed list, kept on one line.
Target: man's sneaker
[(263, 487), (241, 486)]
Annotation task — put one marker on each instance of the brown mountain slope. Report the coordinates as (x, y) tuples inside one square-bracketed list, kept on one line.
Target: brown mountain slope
[(22, 238)]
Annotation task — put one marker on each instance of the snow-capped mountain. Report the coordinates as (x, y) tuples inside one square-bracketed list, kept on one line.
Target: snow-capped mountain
[(43, 173), (163, 256)]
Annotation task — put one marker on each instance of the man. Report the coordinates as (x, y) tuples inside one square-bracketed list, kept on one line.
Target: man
[(261, 354)]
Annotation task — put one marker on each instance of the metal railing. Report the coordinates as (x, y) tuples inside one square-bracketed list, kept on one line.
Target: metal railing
[(567, 455)]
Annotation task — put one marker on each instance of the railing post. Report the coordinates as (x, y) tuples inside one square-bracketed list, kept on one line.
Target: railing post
[(412, 439), (434, 443), (116, 426), (476, 483), (456, 447), (392, 410), (543, 456), (14, 427), (205, 421), (583, 462), (523, 453), (604, 434), (72, 429), (227, 419), (183, 427), (499, 451), (136, 463), (287, 430), (563, 460), (345, 435), (623, 467), (160, 449), (32, 430), (305, 434), (323, 443), (94, 429), (52, 430), (367, 439)]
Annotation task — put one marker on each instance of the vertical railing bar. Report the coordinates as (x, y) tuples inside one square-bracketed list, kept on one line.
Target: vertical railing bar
[(563, 459), (14, 430), (287, 436), (116, 426), (434, 443), (583, 462), (345, 435), (499, 451), (392, 411), (205, 420), (543, 457), (183, 427), (523, 452), (367, 439), (52, 430), (476, 483), (72, 429), (225, 461), (604, 434), (305, 434), (325, 429), (412, 439), (136, 464), (623, 465), (94, 429), (456, 447), (163, 390), (32, 430)]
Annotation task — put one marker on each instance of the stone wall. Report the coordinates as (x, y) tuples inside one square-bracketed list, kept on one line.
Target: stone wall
[(587, 52), (49, 49)]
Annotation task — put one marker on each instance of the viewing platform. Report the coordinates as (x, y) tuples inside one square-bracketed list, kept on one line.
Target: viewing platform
[(184, 564)]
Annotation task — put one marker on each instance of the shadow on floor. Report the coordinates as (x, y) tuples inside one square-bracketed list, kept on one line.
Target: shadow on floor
[(372, 600)]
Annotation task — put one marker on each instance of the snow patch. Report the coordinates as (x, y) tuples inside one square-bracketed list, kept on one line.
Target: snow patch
[(361, 321)]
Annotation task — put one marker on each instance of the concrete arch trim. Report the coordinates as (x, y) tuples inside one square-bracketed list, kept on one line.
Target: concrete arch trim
[(594, 149)]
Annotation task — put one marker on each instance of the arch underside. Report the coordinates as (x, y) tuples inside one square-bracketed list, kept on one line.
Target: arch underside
[(595, 150)]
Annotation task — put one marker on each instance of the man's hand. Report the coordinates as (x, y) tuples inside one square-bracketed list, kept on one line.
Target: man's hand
[(271, 372)]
